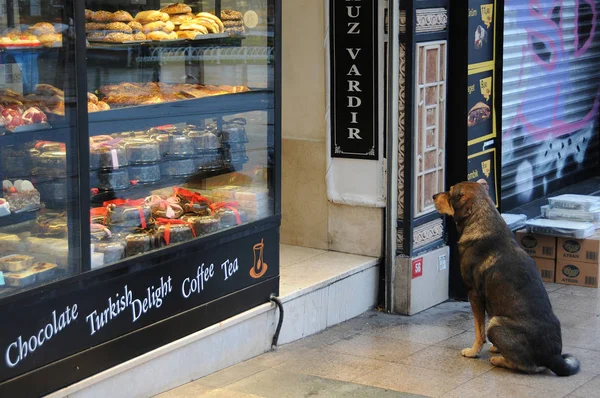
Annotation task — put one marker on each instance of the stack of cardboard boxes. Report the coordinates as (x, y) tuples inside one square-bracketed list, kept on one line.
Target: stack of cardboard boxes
[(564, 260)]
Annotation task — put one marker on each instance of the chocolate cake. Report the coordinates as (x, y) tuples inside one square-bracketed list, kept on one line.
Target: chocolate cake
[(138, 243), (126, 216), (177, 233), (228, 217), (113, 180), (108, 157), (202, 225)]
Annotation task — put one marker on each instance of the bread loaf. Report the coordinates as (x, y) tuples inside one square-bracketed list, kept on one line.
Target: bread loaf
[(181, 18), (146, 17), (121, 16), (191, 26), (176, 8), (101, 16), (119, 27), (157, 35)]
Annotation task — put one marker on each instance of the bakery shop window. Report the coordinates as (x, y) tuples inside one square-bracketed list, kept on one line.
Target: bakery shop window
[(38, 205), (180, 122), (180, 102)]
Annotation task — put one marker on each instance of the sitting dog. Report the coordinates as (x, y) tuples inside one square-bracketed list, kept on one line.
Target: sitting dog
[(504, 282)]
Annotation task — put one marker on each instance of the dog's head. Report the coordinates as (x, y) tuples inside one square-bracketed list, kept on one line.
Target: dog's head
[(460, 200)]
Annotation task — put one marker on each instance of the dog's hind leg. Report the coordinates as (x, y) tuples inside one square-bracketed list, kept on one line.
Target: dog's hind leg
[(508, 339), (478, 307), (494, 349)]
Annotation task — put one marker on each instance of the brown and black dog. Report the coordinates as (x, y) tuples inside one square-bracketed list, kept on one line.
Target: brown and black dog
[(504, 282)]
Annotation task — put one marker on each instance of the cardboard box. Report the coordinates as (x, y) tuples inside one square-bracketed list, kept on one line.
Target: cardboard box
[(583, 250), (577, 273), (546, 267), (541, 246)]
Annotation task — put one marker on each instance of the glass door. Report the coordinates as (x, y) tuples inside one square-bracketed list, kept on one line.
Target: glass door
[(39, 222)]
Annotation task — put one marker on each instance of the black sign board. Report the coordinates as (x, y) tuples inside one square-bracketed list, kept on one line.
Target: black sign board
[(481, 31), (354, 79), (57, 325), (482, 169), (480, 102)]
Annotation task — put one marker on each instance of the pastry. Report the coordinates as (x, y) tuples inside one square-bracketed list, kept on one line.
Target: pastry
[(145, 17), (128, 216), (88, 14), (144, 174), (135, 26), (113, 180), (103, 106), (94, 26), (105, 156), (176, 146), (480, 112), (137, 244), (92, 98), (228, 15), (47, 90), (39, 272), (34, 115), (113, 251), (142, 150), (202, 225), (139, 36), (158, 35), (169, 27), (42, 28), (181, 18), (117, 37), (175, 232), (178, 168), (176, 8), (15, 262), (121, 16), (188, 34), (208, 24), (119, 27), (153, 27), (23, 199), (191, 26), (101, 16), (214, 18), (50, 39)]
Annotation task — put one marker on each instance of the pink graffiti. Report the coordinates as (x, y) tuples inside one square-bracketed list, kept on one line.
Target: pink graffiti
[(547, 63)]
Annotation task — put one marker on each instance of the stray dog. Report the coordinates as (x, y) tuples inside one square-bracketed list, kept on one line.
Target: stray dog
[(504, 282)]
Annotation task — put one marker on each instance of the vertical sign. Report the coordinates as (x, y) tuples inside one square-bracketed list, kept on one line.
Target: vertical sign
[(480, 113), (353, 33)]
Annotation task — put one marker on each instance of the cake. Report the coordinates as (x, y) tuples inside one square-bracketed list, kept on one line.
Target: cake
[(137, 244), (129, 216), (202, 225), (144, 173), (15, 262), (172, 232), (142, 150), (178, 168), (113, 251), (22, 196), (38, 272)]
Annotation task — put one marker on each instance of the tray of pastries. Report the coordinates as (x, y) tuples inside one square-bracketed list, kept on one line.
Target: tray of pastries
[(173, 23)]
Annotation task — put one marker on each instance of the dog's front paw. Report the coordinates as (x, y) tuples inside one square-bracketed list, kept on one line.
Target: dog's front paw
[(469, 353), (494, 349)]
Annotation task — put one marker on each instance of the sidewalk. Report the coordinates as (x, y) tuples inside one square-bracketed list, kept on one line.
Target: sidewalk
[(380, 355)]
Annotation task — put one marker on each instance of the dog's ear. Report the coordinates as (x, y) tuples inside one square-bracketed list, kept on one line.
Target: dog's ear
[(462, 203)]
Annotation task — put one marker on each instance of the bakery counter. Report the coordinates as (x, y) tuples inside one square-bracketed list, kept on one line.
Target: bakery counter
[(190, 111)]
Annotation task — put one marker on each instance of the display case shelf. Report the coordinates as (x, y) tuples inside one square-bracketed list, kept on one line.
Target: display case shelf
[(189, 111), (58, 134), (17, 218), (144, 190)]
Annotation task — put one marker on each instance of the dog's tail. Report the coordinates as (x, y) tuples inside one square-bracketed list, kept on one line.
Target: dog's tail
[(564, 365)]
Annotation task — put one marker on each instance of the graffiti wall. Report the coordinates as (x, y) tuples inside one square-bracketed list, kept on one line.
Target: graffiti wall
[(551, 96)]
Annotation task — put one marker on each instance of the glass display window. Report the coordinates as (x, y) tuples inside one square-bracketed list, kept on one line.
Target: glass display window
[(39, 208), (180, 125)]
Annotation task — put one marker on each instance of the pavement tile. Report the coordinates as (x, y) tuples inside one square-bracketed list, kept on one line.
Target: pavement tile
[(542, 381), (189, 390), (591, 322), (231, 374), (581, 338), (574, 302), (552, 287), (290, 385), (422, 334), (376, 347), (480, 387), (399, 377), (329, 364), (448, 360), (571, 318), (591, 389), (371, 320)]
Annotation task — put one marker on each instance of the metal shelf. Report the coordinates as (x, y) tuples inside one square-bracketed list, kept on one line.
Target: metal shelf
[(17, 218), (57, 134), (190, 111)]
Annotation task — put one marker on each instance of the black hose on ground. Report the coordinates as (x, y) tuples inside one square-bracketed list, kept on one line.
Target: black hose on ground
[(274, 299)]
